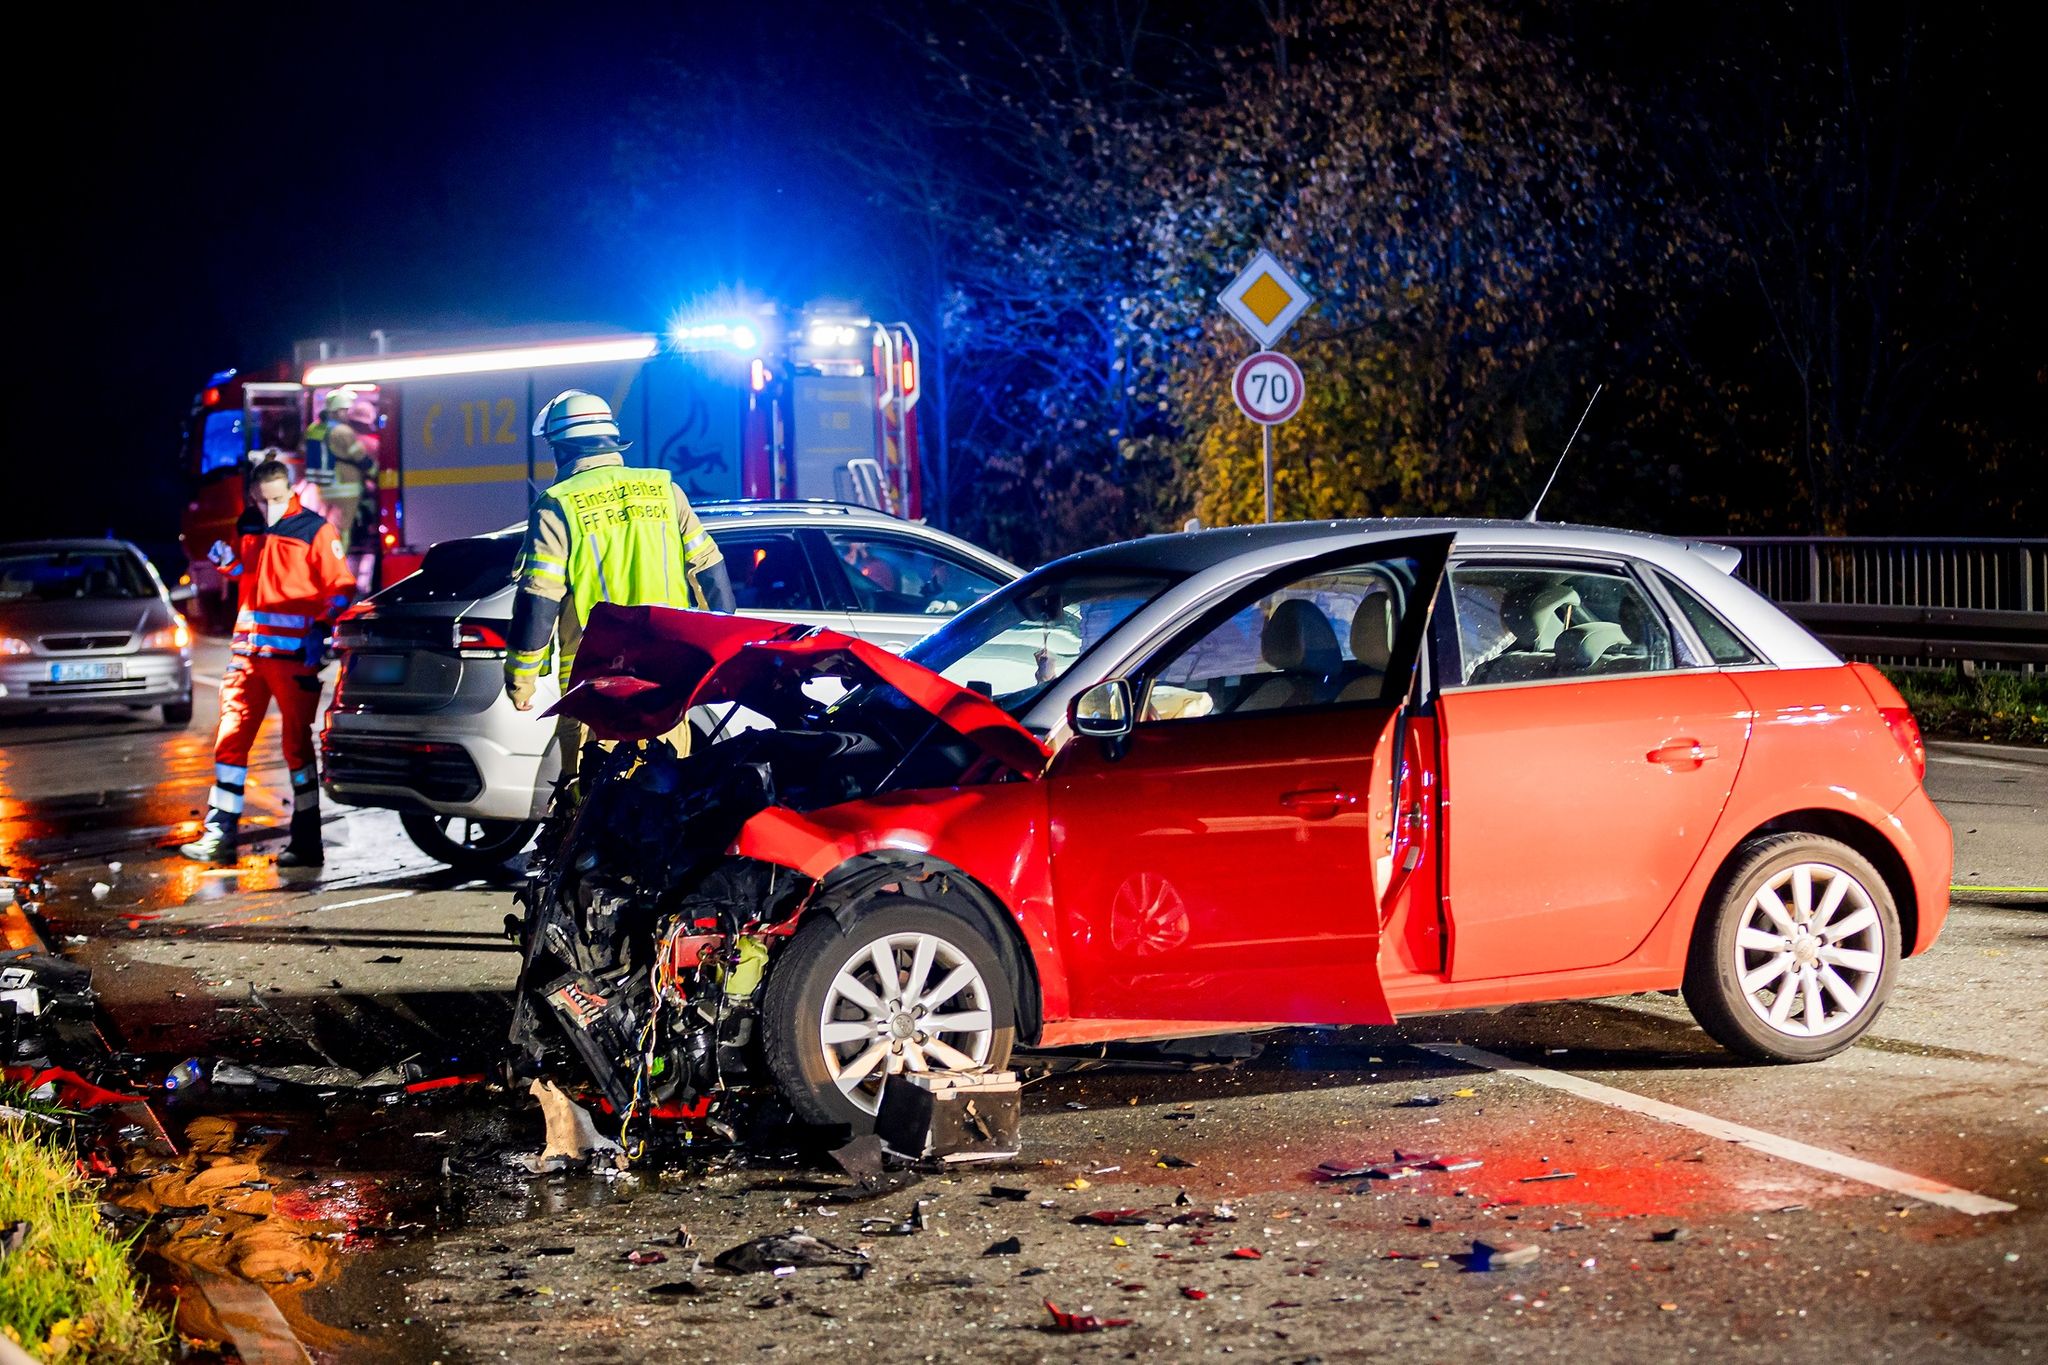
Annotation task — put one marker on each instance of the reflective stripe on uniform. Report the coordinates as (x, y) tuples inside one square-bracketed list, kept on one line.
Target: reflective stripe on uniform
[(698, 544), (527, 660), (220, 798), (283, 642), (305, 788), (275, 618), (229, 775)]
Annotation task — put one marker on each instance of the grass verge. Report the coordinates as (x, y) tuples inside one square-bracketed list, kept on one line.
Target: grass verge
[(2002, 707), (68, 1291)]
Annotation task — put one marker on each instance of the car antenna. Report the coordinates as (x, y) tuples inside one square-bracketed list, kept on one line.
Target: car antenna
[(1562, 453)]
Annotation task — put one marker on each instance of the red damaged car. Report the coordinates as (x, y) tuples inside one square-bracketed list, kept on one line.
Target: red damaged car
[(1328, 773)]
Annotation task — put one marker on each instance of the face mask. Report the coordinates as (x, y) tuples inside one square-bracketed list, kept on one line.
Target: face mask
[(273, 510)]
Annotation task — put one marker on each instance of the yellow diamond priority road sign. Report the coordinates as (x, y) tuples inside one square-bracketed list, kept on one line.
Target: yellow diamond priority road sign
[(1265, 299)]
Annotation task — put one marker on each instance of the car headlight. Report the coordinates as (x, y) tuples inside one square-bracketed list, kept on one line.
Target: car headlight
[(176, 635), (10, 645)]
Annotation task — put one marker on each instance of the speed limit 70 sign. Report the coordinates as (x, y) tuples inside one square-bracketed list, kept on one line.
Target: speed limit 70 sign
[(1267, 387)]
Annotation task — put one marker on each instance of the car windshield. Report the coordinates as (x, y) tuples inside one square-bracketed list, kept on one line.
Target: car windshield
[(73, 576), (1020, 641)]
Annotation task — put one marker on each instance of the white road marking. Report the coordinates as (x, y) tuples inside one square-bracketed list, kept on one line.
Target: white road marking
[(366, 900), (1819, 1158), (2002, 764)]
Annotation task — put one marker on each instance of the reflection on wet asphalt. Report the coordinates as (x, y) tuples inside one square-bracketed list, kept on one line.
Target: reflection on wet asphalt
[(451, 1254)]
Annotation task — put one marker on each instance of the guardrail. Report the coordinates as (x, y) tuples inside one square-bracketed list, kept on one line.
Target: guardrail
[(1909, 600)]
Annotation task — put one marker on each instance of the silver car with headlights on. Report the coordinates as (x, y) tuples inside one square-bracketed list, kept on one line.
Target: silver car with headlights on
[(89, 623), (421, 723)]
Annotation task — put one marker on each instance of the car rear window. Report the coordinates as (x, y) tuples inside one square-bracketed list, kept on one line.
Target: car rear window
[(1724, 646), (458, 571)]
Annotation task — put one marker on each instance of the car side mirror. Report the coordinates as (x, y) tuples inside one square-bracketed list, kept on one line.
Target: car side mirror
[(1104, 711)]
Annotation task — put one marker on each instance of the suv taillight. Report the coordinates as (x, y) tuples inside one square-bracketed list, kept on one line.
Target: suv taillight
[(478, 641), (1906, 731)]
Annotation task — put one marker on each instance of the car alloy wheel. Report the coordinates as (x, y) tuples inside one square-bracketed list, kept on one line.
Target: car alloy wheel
[(1810, 950), (1794, 951), (908, 1002), (904, 987)]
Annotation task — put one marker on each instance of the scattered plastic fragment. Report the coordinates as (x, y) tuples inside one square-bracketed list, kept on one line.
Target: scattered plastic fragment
[(387, 957), (1245, 1254), (1174, 1163), (1487, 1256), (1190, 1292), (1079, 1182), (1550, 1175), (552, 1251), (1116, 1218), (1063, 1321), (1009, 1246), (644, 1258), (100, 891), (1008, 1192), (790, 1249), (1419, 1102), (1669, 1235), (676, 1289)]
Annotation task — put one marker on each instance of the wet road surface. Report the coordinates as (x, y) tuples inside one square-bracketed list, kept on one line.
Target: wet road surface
[(382, 957)]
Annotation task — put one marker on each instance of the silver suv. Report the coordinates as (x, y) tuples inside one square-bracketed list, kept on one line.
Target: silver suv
[(420, 721)]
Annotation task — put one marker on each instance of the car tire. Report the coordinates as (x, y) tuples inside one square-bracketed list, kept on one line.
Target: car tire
[(464, 844), (1795, 951), (178, 714), (810, 975)]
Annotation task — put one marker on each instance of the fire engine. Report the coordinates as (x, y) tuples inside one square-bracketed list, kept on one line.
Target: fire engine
[(753, 405)]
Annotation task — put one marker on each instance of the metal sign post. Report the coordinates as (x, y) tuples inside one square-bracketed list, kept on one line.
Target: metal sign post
[(1265, 299)]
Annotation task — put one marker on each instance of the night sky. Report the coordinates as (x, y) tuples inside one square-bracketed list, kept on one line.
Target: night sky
[(244, 182)]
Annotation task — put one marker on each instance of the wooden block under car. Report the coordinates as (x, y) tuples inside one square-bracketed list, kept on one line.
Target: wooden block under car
[(950, 1116)]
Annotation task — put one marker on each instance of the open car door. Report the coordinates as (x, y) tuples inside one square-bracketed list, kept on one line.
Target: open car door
[(1227, 858)]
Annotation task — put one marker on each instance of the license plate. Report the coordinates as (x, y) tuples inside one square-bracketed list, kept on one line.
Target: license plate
[(84, 672), (376, 670)]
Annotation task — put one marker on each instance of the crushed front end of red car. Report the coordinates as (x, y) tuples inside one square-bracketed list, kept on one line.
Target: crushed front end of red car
[(645, 937)]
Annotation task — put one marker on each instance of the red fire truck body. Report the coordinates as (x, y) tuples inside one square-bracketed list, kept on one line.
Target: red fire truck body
[(734, 408)]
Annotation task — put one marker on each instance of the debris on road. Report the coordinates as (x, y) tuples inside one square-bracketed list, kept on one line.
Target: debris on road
[(951, 1116), (1063, 1321), (793, 1250), (1486, 1256), (571, 1134), (1009, 1246)]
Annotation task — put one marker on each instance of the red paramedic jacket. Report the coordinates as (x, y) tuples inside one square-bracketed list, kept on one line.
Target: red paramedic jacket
[(293, 580)]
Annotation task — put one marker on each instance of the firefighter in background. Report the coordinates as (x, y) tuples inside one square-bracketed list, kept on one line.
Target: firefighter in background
[(339, 461), (293, 581), (601, 533)]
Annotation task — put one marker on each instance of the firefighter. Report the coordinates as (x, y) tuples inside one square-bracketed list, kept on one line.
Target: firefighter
[(602, 532), (293, 582), (339, 461)]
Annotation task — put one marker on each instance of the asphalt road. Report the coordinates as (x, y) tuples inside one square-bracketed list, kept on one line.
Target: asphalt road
[(1786, 1249)]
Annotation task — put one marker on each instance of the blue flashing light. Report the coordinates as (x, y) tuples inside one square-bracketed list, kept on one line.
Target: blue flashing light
[(220, 377), (221, 442), (720, 334)]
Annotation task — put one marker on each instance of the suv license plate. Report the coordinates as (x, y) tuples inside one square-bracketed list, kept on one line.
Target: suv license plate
[(84, 672), (376, 670)]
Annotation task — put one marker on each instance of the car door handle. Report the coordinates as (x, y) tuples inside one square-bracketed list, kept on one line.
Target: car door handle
[(1319, 804), (1683, 753)]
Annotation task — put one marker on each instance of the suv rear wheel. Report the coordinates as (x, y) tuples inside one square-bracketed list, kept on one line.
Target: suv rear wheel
[(465, 844), (1795, 957), (908, 987)]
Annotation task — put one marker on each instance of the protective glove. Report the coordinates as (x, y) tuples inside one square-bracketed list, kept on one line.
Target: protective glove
[(316, 648), (222, 553), (520, 687)]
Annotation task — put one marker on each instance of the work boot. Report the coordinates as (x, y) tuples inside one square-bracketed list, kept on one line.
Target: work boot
[(216, 843), (304, 850)]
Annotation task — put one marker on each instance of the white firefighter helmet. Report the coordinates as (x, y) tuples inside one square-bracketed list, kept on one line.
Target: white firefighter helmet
[(579, 419), (337, 401)]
